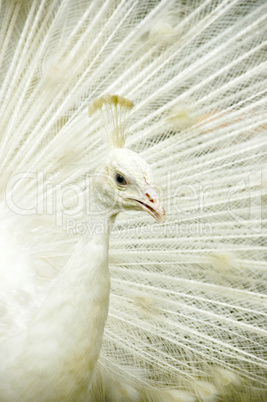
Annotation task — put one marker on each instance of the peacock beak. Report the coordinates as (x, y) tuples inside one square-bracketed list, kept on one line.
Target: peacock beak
[(151, 204)]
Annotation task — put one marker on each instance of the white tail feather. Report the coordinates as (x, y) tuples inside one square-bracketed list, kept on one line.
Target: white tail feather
[(187, 316)]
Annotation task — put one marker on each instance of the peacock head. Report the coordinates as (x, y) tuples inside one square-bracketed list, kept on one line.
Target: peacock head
[(124, 181)]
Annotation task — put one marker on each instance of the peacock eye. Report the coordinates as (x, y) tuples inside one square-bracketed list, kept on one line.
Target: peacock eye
[(120, 179)]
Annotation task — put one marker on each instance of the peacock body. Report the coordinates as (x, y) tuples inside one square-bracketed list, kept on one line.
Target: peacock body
[(187, 304)]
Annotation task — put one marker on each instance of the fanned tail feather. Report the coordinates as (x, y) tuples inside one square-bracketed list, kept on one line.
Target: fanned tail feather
[(187, 317)]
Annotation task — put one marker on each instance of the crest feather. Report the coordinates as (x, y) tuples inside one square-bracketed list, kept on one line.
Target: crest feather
[(113, 111)]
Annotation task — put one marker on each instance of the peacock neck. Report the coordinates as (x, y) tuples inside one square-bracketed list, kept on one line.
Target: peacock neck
[(98, 226), (66, 336)]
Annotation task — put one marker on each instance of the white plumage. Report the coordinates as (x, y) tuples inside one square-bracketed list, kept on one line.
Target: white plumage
[(187, 312), (54, 357)]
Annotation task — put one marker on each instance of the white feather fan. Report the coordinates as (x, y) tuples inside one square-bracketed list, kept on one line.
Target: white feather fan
[(187, 315)]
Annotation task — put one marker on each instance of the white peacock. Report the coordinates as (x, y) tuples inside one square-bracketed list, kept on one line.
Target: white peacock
[(187, 309)]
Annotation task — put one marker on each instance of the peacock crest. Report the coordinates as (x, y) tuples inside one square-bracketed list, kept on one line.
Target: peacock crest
[(113, 112)]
